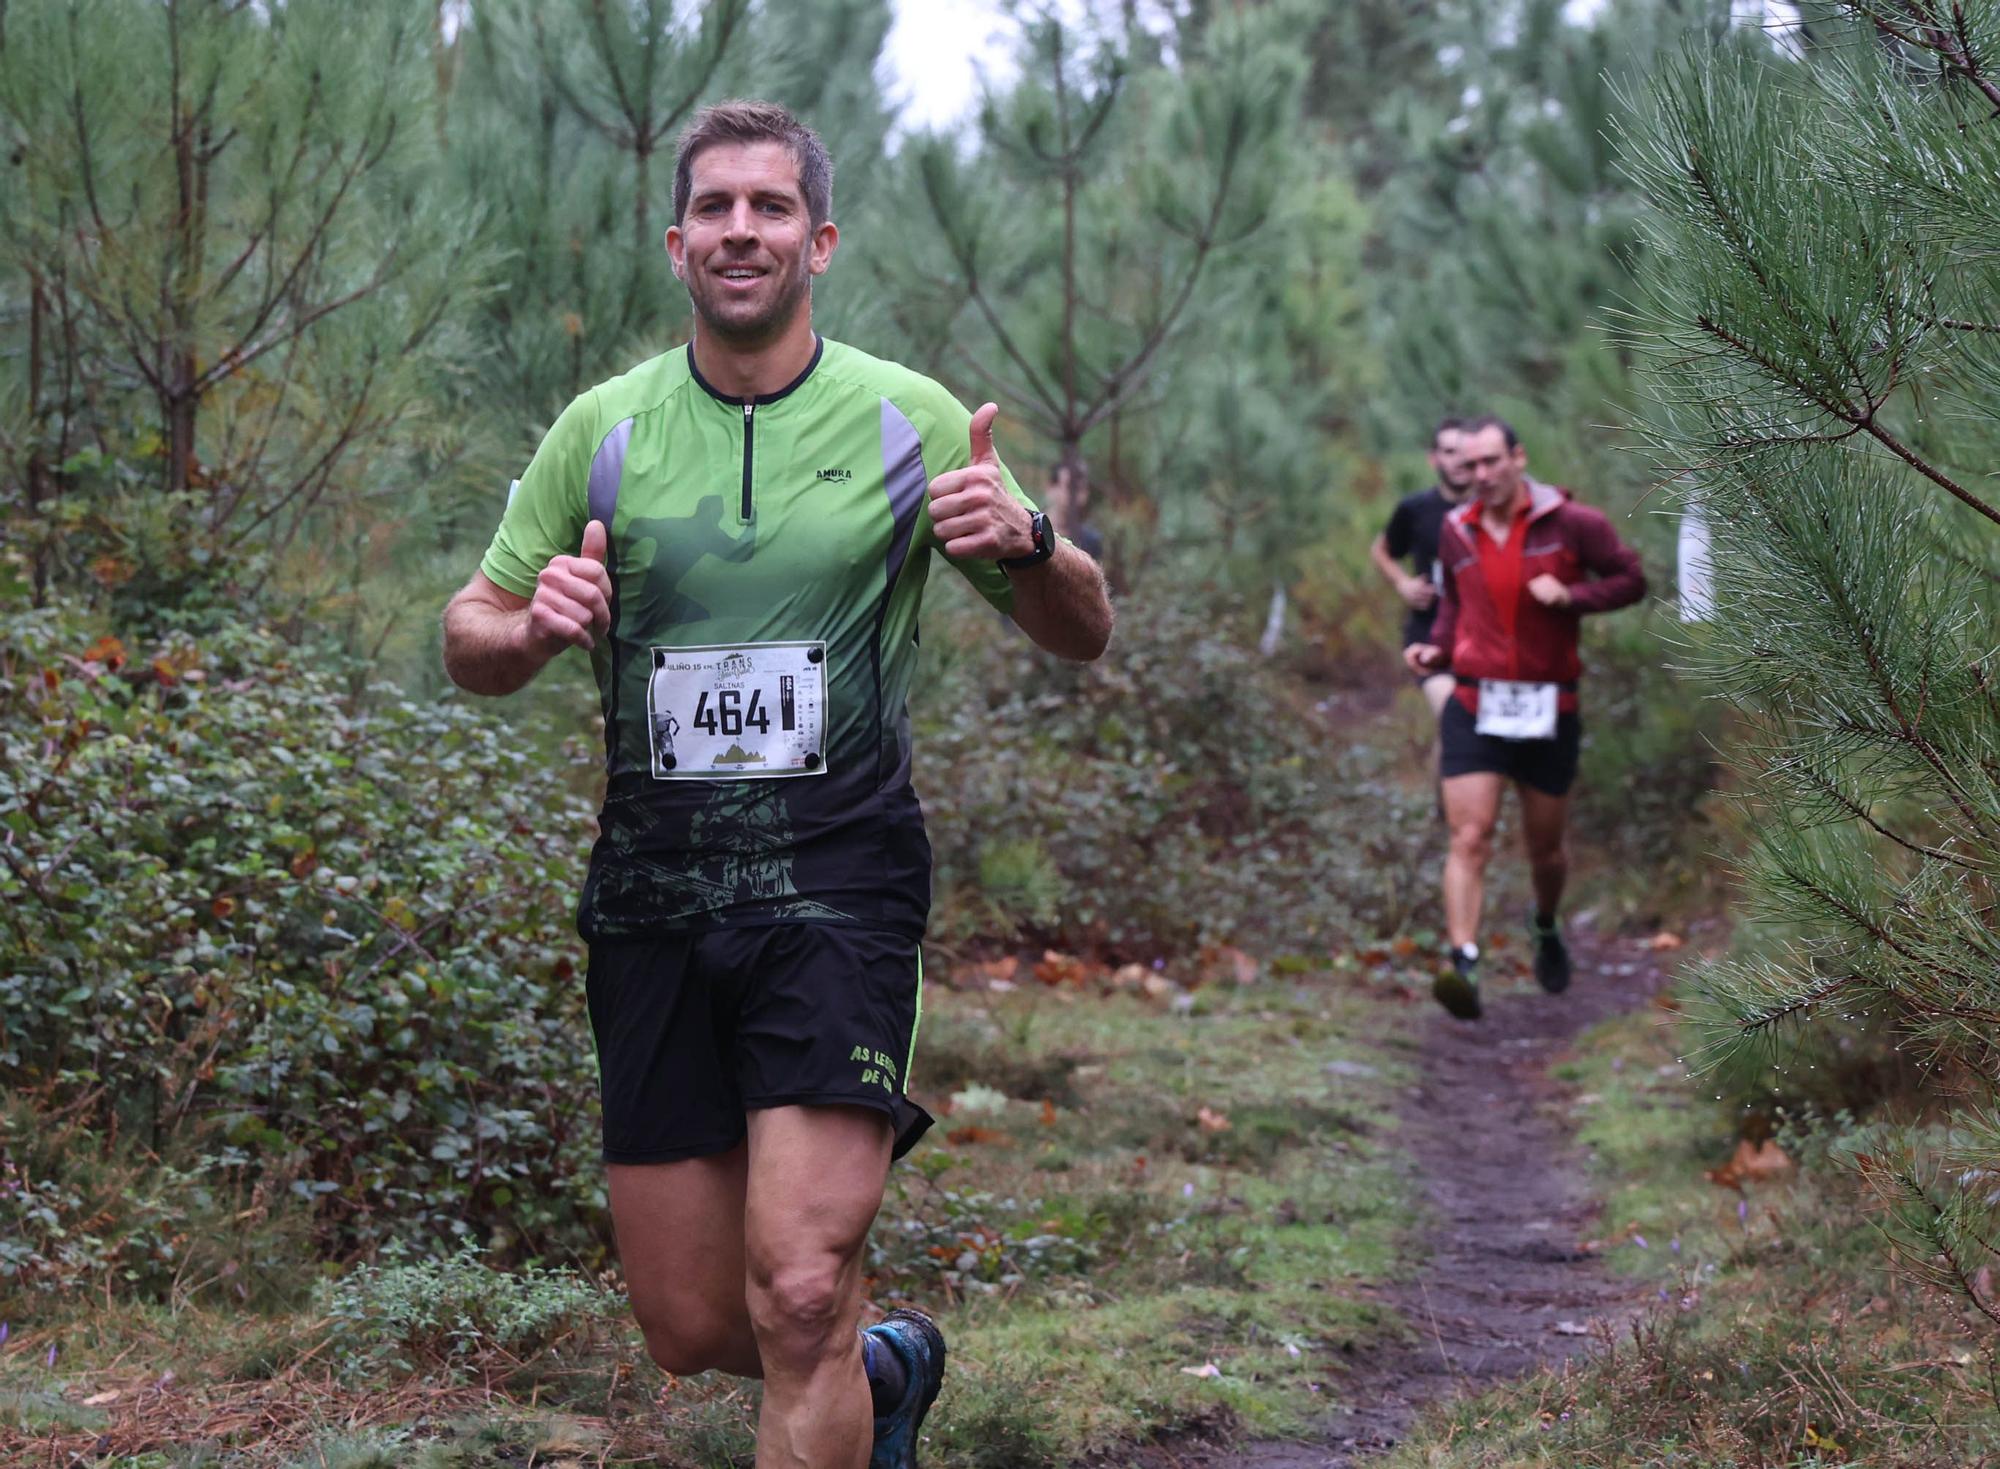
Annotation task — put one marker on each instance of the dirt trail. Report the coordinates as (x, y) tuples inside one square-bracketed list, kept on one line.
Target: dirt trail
[(1508, 1206)]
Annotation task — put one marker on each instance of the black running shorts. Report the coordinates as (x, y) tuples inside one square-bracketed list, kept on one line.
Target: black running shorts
[(1547, 765), (696, 1029)]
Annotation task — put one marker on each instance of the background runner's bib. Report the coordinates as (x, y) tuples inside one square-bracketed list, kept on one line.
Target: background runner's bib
[(749, 711), (1516, 711)]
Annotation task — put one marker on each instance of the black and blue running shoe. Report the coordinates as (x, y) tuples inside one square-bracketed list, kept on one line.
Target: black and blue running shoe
[(916, 1340)]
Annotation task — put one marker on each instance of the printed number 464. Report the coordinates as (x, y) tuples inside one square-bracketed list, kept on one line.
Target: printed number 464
[(728, 716)]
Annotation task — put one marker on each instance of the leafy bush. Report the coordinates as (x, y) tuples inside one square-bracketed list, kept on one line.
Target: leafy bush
[(1180, 790), (284, 938), (976, 1243), (454, 1309)]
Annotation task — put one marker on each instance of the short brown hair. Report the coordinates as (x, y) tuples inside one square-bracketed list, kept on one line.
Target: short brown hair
[(1446, 426), (1492, 420), (750, 121)]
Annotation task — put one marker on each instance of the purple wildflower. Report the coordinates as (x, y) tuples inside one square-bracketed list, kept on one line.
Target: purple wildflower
[(1639, 1240), (52, 1354), (1742, 1210)]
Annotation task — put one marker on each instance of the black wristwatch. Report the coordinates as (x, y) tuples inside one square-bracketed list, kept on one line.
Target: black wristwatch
[(1045, 544)]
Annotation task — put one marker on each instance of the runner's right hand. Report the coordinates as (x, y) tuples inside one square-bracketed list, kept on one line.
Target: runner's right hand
[(1424, 658), (572, 598), (1418, 592)]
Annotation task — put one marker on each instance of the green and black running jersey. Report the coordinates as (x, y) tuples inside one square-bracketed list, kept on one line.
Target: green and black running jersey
[(767, 561)]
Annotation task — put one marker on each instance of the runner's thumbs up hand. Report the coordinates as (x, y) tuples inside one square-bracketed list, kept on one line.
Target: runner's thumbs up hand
[(572, 597), (971, 511), (980, 431)]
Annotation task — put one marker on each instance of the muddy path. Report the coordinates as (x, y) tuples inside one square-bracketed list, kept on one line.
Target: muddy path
[(1501, 1284)]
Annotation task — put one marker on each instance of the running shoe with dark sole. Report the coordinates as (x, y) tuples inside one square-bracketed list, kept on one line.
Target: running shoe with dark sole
[(1457, 988), (1551, 956), (915, 1338)]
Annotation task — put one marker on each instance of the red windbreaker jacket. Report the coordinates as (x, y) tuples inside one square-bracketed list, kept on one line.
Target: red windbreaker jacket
[(1571, 542)]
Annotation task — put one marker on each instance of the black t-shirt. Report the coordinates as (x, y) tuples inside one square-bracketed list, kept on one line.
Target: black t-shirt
[(1413, 532)]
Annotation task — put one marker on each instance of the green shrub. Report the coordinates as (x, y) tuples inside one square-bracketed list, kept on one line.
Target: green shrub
[(454, 1309), (1181, 789), (282, 938)]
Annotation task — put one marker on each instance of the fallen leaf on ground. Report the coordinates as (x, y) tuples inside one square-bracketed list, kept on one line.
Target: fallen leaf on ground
[(1212, 1120), (1663, 942), (1048, 1113), (1751, 1163), (1054, 968), (1816, 1440), (986, 973), (97, 1399), (1571, 1328), (1206, 1369), (1222, 961), (1129, 976), (971, 1136)]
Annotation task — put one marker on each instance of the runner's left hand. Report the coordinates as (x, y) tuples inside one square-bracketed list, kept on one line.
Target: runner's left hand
[(1549, 591), (971, 511)]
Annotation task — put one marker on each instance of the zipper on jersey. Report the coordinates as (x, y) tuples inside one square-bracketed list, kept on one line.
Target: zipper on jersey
[(749, 442)]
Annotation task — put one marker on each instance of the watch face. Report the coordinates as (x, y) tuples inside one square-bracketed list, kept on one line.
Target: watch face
[(1043, 535)]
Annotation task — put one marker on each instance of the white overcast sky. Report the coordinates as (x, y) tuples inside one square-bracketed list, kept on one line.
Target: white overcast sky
[(939, 49), (936, 53)]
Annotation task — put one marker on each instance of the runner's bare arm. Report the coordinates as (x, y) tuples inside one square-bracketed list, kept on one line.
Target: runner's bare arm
[(495, 640), (1062, 604), (1412, 589)]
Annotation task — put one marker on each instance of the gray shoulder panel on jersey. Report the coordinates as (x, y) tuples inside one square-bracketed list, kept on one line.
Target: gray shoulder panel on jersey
[(904, 480), (607, 470)]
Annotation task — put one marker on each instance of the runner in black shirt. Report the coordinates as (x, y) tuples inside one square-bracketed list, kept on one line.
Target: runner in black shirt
[(1412, 532)]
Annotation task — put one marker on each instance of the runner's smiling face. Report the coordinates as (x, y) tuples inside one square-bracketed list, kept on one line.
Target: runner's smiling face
[(1494, 469), (747, 247)]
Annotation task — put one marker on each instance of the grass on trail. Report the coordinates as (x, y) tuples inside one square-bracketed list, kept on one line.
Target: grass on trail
[(1136, 1214), (1778, 1334)]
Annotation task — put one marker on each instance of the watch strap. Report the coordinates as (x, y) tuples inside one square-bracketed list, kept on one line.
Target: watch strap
[(1045, 544)]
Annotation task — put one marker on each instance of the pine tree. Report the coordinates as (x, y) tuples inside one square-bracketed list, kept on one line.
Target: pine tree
[(1823, 299), (222, 261), (1074, 262)]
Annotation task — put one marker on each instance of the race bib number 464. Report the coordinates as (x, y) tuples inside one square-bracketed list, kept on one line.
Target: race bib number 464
[(1517, 711), (753, 711)]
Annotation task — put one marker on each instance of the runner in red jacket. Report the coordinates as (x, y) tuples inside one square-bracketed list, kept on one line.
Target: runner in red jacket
[(1521, 562)]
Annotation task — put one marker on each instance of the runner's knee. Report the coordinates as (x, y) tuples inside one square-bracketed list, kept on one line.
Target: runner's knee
[(1472, 840), (683, 1341), (1551, 852), (797, 1308)]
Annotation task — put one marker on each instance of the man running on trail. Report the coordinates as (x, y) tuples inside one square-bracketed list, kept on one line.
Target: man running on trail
[(738, 533), (1412, 532), (1521, 563)]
